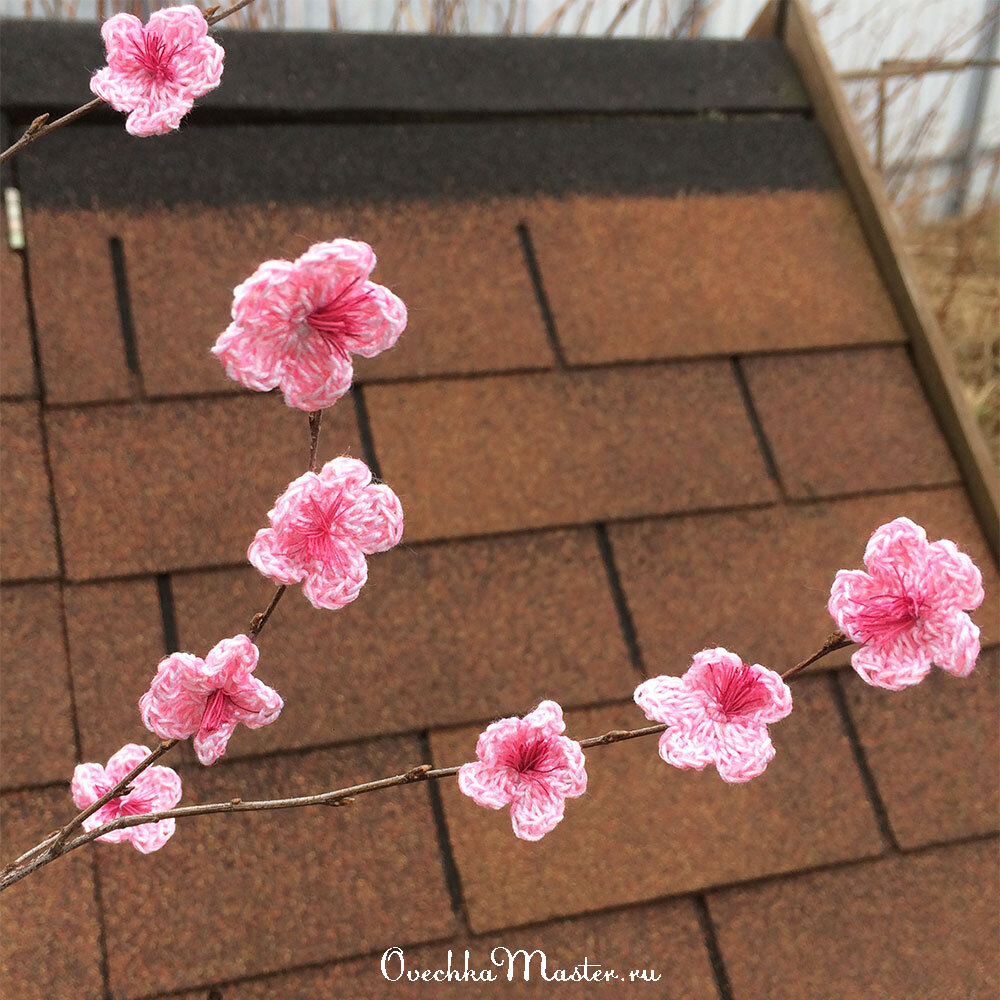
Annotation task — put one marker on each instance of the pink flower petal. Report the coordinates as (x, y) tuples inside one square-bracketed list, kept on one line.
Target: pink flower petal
[(779, 703), (536, 812), (173, 706), (255, 704), (327, 270), (689, 747), (667, 699), (495, 737), (123, 89), (210, 746), (248, 358), (487, 786), (267, 556), (956, 646), (546, 719), (157, 115), (701, 675), (335, 586), (745, 752), (149, 837), (232, 659), (126, 760), (178, 26), (898, 543), (315, 373), (570, 780), (957, 579), (269, 305), (89, 783), (382, 318), (894, 666), (121, 33)]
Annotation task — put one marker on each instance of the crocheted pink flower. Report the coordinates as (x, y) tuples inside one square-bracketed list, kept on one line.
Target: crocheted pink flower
[(207, 698), (717, 713), (323, 526), (296, 323), (909, 609), (155, 71), (157, 788), (526, 764)]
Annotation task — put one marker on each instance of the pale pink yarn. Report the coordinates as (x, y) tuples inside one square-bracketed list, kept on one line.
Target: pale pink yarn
[(156, 789), (296, 323), (528, 765), (323, 526), (717, 713), (909, 609), (156, 70), (208, 698)]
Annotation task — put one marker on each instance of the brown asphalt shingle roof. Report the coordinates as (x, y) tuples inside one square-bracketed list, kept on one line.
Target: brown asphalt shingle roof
[(653, 395)]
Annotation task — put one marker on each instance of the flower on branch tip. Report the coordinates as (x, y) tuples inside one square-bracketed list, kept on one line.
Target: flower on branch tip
[(297, 323), (717, 713), (323, 526), (156, 789), (155, 71), (208, 698), (527, 764), (909, 609)]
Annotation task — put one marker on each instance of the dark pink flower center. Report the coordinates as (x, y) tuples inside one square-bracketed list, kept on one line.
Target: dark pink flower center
[(215, 711), (738, 691), (135, 804), (154, 55), (316, 533), (533, 755), (886, 616), (344, 314)]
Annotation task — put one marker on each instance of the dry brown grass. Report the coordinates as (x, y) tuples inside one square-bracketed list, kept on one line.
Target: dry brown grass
[(958, 261)]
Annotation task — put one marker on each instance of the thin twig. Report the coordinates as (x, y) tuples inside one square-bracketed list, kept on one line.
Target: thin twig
[(834, 642), (315, 420), (259, 620), (35, 859), (36, 131)]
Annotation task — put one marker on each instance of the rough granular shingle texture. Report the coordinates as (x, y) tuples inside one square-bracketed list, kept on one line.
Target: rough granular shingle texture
[(545, 450), (35, 703), (158, 522), (664, 264), (51, 926), (27, 532), (934, 753), (115, 633), (652, 396), (757, 581), (76, 308), (345, 880), (664, 939), (848, 421), (459, 268), (434, 628), (936, 915), (17, 370)]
